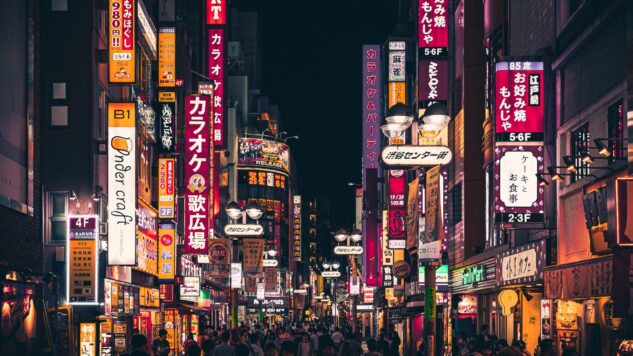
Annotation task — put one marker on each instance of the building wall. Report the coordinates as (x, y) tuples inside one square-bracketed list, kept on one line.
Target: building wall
[(531, 26)]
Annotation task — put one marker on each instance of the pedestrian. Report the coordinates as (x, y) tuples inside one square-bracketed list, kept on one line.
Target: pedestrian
[(188, 342), (139, 344), (305, 346), (337, 337), (160, 346), (328, 348), (288, 348), (395, 343), (207, 346), (314, 338), (271, 349), (347, 349), (242, 350), (372, 348), (224, 349), (253, 343), (383, 344), (193, 350)]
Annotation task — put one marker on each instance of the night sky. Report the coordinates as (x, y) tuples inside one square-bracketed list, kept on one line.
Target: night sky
[(312, 70)]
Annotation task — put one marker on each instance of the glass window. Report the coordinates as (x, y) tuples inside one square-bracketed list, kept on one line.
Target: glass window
[(57, 211), (579, 145), (59, 5), (59, 90), (59, 103), (59, 115)]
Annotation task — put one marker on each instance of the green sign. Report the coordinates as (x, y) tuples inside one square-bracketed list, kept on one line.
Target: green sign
[(429, 302), (473, 274), (441, 274)]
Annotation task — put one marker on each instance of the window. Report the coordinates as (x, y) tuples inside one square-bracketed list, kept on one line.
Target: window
[(615, 122), (580, 144), (57, 211), (455, 201), (59, 104), (59, 5)]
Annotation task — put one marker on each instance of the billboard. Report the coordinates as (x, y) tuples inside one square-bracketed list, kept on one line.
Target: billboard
[(167, 57), (433, 24), (433, 80), (518, 196), (122, 184), (122, 41), (197, 174), (216, 12), (397, 93), (519, 101), (433, 219), (166, 108), (215, 72), (219, 255), (147, 244), (166, 251), (82, 259), (412, 215), (372, 110), (166, 187), (296, 227), (397, 209), (254, 152)]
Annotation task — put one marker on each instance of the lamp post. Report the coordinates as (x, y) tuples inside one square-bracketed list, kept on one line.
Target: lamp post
[(331, 271), (234, 211), (341, 235)]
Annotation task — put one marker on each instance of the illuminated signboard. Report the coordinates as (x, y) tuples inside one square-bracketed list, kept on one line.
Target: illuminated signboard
[(397, 211), (372, 94), (166, 188), (296, 227), (167, 57), (122, 183), (215, 72), (122, 41), (83, 259), (216, 12), (433, 24), (147, 246), (253, 152), (166, 251)]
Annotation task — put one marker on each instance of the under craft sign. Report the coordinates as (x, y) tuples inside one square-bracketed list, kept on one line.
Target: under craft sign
[(412, 156)]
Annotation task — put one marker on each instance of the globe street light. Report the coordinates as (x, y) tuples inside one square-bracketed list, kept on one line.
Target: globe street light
[(233, 210), (434, 119), (356, 235), (341, 235), (254, 211), (326, 265), (336, 265), (399, 114)]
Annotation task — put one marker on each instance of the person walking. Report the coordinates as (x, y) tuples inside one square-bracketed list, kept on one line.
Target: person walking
[(224, 349), (160, 346), (305, 346)]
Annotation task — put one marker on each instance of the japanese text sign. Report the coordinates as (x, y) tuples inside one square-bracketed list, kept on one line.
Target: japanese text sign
[(253, 250), (372, 95), (433, 24), (216, 62), (146, 242), (397, 210), (122, 41), (413, 155), (397, 66), (122, 184), (83, 262), (296, 227), (518, 196), (166, 251), (519, 105), (167, 116), (167, 57), (166, 187), (520, 265), (432, 221), (197, 173), (216, 12)]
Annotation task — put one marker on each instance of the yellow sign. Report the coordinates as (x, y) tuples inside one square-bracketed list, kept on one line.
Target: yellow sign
[(508, 298), (167, 57), (387, 253), (88, 339), (122, 41), (166, 251), (166, 187), (166, 97), (397, 93), (82, 258), (150, 297)]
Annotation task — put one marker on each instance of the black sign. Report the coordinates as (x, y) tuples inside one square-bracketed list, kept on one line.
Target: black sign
[(167, 119)]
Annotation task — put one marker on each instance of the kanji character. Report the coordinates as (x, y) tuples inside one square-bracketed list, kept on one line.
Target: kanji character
[(520, 115)]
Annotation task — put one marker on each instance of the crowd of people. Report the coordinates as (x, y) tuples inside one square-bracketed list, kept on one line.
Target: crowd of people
[(486, 344), (299, 340)]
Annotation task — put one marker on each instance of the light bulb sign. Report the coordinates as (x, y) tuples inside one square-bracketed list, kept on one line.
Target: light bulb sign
[(348, 250), (244, 230), (331, 274), (414, 156)]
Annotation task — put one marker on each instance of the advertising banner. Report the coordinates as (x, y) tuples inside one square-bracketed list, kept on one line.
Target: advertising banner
[(215, 72), (397, 210), (432, 221), (372, 94), (122, 184), (216, 12), (397, 93), (521, 265), (166, 188), (271, 279), (166, 251), (219, 254), (412, 215), (83, 259), (387, 253), (518, 196), (167, 57), (433, 24), (260, 153), (122, 41), (190, 287), (296, 227), (167, 120), (88, 339), (397, 66), (197, 173), (147, 244), (519, 105), (253, 254), (250, 282), (236, 275), (433, 80)]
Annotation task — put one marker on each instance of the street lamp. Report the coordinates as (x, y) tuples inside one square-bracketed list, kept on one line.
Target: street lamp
[(399, 114), (234, 210), (336, 265), (434, 119), (272, 252), (326, 265), (341, 235), (356, 235), (254, 211)]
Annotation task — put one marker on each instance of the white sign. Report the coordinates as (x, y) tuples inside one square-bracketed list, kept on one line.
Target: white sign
[(203, 259), (236, 275), (121, 184), (261, 291), (397, 61), (331, 274), (519, 265), (431, 251), (413, 156), (365, 307), (269, 262), (348, 250), (397, 244), (368, 295), (354, 285), (397, 45), (244, 230), (518, 186), (301, 291), (190, 287)]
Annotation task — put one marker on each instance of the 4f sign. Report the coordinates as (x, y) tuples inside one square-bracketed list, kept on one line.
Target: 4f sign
[(415, 156), (348, 250), (244, 230)]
